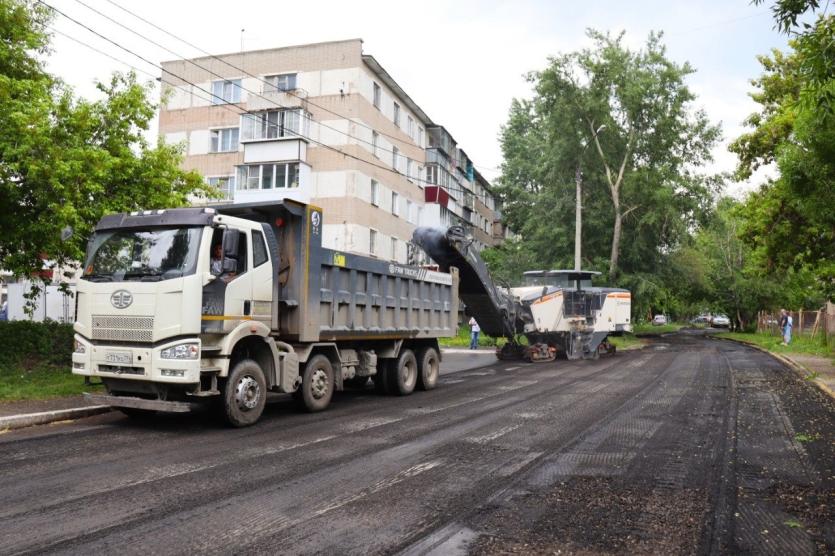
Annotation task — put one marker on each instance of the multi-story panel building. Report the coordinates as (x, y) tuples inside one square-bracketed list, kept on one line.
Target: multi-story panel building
[(325, 124)]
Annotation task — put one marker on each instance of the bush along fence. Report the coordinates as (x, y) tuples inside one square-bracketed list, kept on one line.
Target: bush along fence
[(810, 324)]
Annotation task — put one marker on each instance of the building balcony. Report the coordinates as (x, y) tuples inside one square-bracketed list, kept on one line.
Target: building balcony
[(275, 99)]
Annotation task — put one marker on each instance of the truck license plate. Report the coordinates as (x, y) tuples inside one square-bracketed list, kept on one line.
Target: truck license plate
[(119, 357)]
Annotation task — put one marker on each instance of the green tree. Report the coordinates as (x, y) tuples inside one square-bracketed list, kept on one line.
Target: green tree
[(789, 221), (626, 118), (66, 161)]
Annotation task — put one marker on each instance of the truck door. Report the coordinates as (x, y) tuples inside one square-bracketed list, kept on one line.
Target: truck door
[(227, 300), (262, 279)]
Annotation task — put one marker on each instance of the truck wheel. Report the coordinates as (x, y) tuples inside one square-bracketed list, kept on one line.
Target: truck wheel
[(317, 383), (429, 367), (402, 375), (244, 394), (381, 379)]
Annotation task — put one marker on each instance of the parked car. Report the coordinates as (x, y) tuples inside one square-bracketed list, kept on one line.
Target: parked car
[(658, 320), (721, 321), (701, 319)]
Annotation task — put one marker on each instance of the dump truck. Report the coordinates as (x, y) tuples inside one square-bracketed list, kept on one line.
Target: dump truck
[(184, 307)]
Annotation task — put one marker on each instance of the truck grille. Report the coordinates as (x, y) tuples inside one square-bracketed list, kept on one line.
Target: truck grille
[(123, 329)]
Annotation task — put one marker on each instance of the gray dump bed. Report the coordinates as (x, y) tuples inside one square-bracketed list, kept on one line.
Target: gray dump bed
[(330, 295)]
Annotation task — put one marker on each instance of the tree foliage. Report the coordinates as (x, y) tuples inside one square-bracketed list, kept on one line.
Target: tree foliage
[(790, 221), (626, 118), (66, 161)]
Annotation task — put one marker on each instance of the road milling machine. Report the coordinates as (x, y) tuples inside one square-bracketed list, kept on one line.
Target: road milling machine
[(558, 312)]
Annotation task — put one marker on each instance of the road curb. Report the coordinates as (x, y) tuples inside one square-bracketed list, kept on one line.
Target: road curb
[(44, 417), (788, 362)]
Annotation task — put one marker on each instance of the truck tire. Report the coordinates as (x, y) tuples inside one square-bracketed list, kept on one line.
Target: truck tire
[(429, 367), (381, 379), (244, 394), (403, 374), (317, 383)]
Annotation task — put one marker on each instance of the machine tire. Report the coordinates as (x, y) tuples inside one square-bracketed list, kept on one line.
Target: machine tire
[(317, 383), (381, 379), (403, 374), (429, 368), (244, 394)]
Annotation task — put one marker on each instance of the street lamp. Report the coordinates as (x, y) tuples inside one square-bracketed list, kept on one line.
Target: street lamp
[(578, 211)]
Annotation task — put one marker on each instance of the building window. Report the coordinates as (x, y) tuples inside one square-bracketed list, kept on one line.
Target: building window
[(396, 114), (394, 154), (395, 203), (419, 215), (410, 127), (277, 83), (226, 185), (409, 169), (394, 248), (375, 141), (420, 137), (228, 91), (223, 140), (268, 176), (274, 124), (409, 206), (372, 242), (377, 95), (375, 193)]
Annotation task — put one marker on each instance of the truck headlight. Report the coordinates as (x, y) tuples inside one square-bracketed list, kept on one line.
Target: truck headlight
[(78, 347), (181, 351)]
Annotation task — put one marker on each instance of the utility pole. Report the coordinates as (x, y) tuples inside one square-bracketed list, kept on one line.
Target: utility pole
[(578, 209), (578, 218)]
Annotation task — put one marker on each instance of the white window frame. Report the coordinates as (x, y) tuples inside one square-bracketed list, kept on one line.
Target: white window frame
[(393, 241), (375, 143), (375, 193), (395, 117), (226, 91), (410, 127), (274, 124), (372, 241), (395, 203), (258, 176), (409, 169), (395, 152), (273, 82), (216, 139), (377, 95), (420, 137), (229, 190)]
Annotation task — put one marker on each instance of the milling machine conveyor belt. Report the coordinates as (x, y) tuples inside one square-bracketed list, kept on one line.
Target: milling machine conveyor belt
[(494, 310)]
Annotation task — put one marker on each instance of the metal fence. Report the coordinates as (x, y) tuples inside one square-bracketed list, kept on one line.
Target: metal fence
[(809, 324)]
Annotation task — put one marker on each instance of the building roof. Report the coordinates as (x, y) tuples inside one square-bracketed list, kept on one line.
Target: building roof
[(384, 76)]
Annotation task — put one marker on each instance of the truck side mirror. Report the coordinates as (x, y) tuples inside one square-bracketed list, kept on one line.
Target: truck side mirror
[(231, 239)]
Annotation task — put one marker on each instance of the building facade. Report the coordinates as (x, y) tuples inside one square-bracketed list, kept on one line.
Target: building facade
[(325, 124)]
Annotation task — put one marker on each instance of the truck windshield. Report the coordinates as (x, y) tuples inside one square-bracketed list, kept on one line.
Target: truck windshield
[(142, 255)]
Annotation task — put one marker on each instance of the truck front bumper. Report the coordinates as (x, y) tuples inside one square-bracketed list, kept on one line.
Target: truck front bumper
[(135, 363), (139, 403)]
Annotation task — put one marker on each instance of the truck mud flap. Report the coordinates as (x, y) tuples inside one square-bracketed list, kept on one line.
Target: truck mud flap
[(140, 403)]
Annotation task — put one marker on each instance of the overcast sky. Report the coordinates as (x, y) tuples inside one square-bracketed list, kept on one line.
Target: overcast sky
[(462, 61)]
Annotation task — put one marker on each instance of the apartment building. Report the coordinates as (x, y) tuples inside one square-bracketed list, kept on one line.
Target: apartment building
[(325, 124)]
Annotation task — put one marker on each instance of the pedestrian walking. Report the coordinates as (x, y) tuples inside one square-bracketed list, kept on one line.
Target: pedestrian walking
[(474, 331), (786, 324)]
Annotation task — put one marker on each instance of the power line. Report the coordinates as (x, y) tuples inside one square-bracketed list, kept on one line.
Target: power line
[(241, 111), (244, 72)]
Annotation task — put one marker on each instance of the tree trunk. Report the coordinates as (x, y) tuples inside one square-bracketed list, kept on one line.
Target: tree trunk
[(616, 231)]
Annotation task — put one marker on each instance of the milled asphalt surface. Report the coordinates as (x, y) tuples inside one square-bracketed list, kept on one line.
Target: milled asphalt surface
[(691, 445)]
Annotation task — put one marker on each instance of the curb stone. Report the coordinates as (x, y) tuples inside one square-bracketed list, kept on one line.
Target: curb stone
[(44, 417), (788, 362)]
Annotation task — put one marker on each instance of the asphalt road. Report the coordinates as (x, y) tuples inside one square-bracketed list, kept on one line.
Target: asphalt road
[(691, 445)]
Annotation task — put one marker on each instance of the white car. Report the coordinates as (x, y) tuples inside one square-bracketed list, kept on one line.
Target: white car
[(658, 320), (721, 321)]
